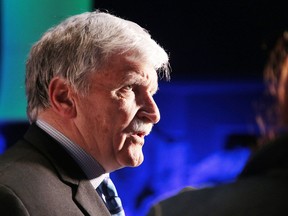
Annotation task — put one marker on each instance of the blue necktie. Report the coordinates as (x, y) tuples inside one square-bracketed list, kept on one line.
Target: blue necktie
[(113, 202)]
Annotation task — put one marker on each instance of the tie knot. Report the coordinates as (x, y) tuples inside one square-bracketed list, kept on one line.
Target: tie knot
[(113, 202), (107, 188)]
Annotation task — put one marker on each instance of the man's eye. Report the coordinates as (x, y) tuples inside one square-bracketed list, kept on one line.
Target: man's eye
[(128, 88)]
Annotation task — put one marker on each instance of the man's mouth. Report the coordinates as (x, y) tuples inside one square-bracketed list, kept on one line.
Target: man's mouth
[(139, 137), (140, 134)]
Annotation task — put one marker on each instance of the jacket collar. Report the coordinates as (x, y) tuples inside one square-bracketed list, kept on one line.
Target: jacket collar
[(67, 170)]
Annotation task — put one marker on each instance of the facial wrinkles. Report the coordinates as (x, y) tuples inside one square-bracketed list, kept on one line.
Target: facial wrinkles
[(138, 125), (128, 105), (141, 84), (142, 73), (148, 80)]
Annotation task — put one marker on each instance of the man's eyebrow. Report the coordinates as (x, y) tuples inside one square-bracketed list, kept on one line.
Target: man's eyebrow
[(138, 78), (132, 77)]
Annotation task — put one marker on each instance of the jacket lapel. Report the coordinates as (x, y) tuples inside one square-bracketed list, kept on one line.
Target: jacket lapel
[(68, 171), (89, 199)]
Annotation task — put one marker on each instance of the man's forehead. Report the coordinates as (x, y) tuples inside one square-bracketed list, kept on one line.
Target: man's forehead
[(130, 74), (126, 68)]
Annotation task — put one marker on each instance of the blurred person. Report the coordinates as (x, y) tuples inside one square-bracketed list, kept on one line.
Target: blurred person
[(262, 186), (90, 83)]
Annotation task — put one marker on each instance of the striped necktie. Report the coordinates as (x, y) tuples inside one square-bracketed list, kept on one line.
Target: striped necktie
[(113, 202)]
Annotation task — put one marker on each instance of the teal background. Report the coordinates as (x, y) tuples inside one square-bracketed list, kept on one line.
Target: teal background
[(22, 24)]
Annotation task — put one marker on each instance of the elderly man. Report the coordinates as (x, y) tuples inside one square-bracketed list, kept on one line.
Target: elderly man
[(90, 83)]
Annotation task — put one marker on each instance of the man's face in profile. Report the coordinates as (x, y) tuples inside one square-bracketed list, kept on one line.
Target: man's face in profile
[(118, 112)]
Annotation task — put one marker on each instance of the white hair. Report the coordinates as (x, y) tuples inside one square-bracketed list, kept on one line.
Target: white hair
[(83, 44)]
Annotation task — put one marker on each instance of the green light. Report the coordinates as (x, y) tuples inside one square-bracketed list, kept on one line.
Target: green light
[(23, 22)]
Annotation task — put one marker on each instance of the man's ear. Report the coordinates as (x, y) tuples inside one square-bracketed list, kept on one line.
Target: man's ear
[(61, 97)]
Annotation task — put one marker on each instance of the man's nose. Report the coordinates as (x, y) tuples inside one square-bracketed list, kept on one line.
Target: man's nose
[(149, 111)]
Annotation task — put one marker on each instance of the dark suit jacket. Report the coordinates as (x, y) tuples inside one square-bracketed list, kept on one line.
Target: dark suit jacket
[(38, 177), (261, 190)]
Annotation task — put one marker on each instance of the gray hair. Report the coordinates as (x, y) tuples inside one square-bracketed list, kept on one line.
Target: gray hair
[(80, 45)]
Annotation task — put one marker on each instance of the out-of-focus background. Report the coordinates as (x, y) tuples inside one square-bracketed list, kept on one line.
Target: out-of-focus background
[(207, 131)]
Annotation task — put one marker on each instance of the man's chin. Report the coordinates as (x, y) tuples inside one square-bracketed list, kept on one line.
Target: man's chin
[(132, 158)]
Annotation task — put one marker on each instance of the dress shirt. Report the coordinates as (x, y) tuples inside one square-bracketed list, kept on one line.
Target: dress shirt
[(92, 169)]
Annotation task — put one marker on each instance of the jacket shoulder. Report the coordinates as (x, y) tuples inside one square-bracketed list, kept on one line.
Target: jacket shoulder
[(10, 203)]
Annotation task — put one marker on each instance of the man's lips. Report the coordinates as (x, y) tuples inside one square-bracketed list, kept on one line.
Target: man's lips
[(139, 137), (140, 134)]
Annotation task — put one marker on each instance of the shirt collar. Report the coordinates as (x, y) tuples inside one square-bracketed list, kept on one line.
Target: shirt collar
[(92, 169)]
